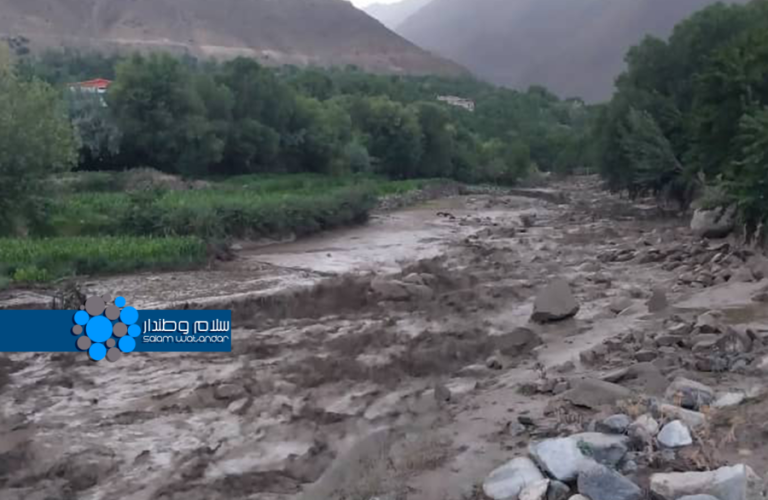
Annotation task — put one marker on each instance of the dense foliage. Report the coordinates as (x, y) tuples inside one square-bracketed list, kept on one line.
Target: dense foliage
[(196, 118), (690, 112)]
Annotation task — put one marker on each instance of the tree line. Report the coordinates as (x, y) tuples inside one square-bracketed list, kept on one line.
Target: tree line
[(689, 117)]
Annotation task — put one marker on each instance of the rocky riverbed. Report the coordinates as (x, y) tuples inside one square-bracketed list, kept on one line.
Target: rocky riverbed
[(538, 345)]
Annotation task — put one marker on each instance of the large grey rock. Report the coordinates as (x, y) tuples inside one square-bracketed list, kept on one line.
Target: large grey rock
[(506, 482), (715, 223), (675, 435), (561, 458), (726, 483), (556, 302), (592, 393), (601, 483), (689, 393), (615, 424), (606, 449)]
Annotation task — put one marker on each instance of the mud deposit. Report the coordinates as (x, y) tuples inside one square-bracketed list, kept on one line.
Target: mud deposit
[(397, 360)]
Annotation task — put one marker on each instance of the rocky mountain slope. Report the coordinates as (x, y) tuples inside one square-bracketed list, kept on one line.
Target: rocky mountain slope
[(574, 47), (324, 32)]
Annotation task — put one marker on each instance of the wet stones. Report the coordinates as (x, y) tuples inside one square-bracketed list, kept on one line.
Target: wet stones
[(598, 482), (556, 302), (506, 482), (675, 435), (689, 394)]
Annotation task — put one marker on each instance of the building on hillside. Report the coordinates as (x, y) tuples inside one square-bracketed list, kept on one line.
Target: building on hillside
[(98, 86), (460, 102)]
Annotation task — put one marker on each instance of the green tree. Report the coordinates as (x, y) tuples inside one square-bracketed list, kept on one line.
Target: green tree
[(35, 140)]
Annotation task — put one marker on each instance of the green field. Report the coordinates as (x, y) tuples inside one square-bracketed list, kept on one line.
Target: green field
[(110, 223)]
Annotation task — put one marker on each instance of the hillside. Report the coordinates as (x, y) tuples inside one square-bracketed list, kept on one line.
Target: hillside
[(323, 32), (392, 15), (574, 47)]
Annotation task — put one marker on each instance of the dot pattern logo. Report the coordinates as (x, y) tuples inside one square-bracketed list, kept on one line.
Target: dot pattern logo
[(106, 330)]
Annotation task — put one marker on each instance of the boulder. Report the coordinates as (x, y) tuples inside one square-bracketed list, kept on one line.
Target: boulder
[(606, 449), (615, 424), (535, 491), (561, 458), (556, 302), (658, 301), (507, 481), (725, 483), (715, 223), (601, 483), (592, 393), (689, 393), (675, 435)]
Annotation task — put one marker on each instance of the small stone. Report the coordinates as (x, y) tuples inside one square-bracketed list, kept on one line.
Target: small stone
[(645, 356), (507, 481), (619, 304), (493, 363), (708, 323), (648, 423), (578, 497), (558, 491), (615, 424), (629, 467), (601, 483), (556, 302), (742, 275), (229, 391), (689, 393), (237, 406), (442, 393), (561, 387), (675, 435), (389, 289), (535, 491), (669, 340), (414, 279)]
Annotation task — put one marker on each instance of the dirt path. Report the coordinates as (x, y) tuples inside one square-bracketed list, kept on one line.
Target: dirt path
[(348, 345)]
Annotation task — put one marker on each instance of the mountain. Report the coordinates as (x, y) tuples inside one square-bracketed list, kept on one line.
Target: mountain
[(321, 32), (392, 15), (574, 47)]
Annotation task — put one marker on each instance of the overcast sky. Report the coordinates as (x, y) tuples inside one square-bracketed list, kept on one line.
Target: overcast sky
[(363, 3)]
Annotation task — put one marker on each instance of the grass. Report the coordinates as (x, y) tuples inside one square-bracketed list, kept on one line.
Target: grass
[(127, 221), (47, 259)]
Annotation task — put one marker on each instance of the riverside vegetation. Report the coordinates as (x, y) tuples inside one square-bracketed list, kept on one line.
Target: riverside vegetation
[(182, 153), (264, 152)]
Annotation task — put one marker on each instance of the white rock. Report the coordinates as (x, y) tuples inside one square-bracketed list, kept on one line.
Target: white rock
[(675, 435), (561, 458), (726, 483), (506, 482), (730, 399), (535, 491)]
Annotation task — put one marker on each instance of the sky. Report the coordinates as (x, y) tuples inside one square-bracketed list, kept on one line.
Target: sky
[(364, 3)]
